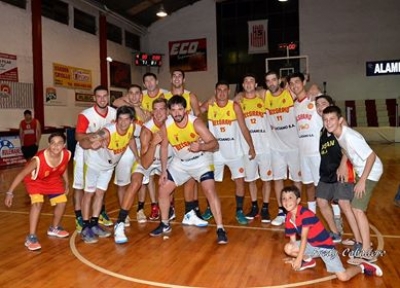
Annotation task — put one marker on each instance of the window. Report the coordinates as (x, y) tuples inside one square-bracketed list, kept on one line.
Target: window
[(18, 3), (55, 10), (114, 33), (232, 34), (84, 21), (132, 41)]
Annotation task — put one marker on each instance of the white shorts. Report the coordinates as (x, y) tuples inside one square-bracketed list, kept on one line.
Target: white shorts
[(181, 171), (310, 168), (124, 168), (96, 179), (259, 167), (282, 160), (79, 181), (236, 166)]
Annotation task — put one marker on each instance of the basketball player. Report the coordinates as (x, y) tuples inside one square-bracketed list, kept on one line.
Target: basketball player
[(192, 107), (226, 122), (90, 120), (103, 151), (260, 167), (309, 125), (279, 105), (192, 143), (150, 139)]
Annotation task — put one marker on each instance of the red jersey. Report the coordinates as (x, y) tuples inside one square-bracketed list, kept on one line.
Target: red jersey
[(29, 132), (46, 179)]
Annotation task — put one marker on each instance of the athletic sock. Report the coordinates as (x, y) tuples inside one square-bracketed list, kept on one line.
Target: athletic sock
[(140, 206), (239, 202), (122, 215)]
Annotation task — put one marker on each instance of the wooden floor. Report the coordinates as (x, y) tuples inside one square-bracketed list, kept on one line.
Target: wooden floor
[(190, 257)]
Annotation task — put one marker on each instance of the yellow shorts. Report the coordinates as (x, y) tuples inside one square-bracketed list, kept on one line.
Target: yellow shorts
[(54, 198)]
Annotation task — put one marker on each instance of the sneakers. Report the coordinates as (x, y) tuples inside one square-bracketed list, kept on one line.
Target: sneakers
[(198, 213), (349, 242), (339, 224), (356, 250), (127, 221), (141, 218), (78, 224), (191, 218), (253, 213), (241, 219), (336, 238), (119, 233), (279, 220), (57, 232), (105, 220), (161, 229), (155, 212), (265, 217), (171, 214), (32, 243), (100, 231), (221, 236), (88, 236), (207, 215), (311, 263), (371, 269)]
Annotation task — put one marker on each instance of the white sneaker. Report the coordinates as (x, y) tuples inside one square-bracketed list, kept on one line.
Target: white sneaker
[(191, 218), (119, 233), (141, 218), (127, 222), (279, 220)]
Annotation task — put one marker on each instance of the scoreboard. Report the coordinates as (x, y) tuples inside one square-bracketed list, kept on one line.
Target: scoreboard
[(144, 59)]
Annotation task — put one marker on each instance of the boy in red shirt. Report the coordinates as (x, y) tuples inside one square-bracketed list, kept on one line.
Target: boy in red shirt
[(315, 241), (46, 174)]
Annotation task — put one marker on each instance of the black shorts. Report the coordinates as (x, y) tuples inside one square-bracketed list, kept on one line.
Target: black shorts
[(29, 151)]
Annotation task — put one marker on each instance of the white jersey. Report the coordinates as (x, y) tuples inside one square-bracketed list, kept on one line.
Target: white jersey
[(282, 120), (357, 150), (90, 121), (309, 125), (254, 114), (223, 124), (106, 158)]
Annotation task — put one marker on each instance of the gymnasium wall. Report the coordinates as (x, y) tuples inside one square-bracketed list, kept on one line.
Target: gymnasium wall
[(62, 44)]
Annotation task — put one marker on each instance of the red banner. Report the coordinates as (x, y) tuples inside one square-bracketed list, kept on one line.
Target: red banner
[(188, 55), (8, 67), (10, 151)]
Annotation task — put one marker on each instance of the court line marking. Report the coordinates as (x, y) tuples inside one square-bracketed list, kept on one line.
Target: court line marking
[(90, 264)]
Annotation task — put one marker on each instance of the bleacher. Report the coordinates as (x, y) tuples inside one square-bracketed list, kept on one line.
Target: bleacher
[(374, 118)]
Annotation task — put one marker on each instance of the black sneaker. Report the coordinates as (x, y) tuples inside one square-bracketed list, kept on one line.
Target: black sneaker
[(171, 213), (253, 213), (221, 236), (161, 229), (198, 213), (265, 217)]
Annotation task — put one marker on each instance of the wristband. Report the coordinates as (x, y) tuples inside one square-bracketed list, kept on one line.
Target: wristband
[(10, 194)]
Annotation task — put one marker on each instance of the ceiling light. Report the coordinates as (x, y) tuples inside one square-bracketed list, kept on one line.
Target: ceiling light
[(282, 0), (109, 59), (161, 13)]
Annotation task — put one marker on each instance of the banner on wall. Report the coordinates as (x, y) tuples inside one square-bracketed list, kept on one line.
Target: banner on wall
[(188, 55), (16, 95), (258, 36), (84, 99), (8, 67), (120, 74), (72, 77), (56, 97), (10, 151)]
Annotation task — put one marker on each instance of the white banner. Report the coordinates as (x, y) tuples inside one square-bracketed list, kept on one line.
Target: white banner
[(258, 36)]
